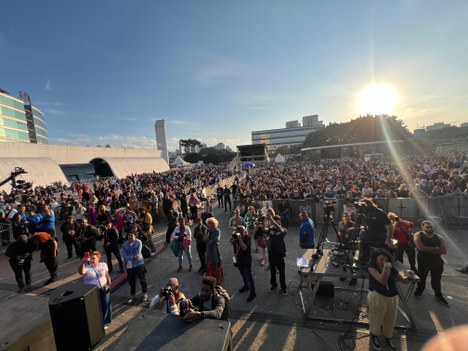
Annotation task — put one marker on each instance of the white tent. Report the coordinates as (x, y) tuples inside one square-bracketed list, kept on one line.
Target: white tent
[(280, 158), (179, 162)]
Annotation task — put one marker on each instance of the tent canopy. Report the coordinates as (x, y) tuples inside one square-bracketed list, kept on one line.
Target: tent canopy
[(280, 158)]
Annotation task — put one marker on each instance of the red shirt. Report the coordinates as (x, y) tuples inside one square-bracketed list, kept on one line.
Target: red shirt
[(401, 230)]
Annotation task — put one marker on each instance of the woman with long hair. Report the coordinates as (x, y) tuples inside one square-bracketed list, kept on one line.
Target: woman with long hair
[(214, 267)]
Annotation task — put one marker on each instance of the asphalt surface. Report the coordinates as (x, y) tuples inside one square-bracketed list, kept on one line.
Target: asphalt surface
[(271, 321)]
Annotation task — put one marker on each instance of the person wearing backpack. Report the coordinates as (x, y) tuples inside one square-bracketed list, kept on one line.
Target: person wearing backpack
[(211, 302)]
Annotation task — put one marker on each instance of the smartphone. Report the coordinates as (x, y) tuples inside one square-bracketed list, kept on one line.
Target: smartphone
[(87, 256)]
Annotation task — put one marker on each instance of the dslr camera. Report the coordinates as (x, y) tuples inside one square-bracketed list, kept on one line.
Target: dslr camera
[(236, 235), (167, 291)]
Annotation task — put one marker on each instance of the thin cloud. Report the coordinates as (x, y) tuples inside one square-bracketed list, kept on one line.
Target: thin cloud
[(178, 122), (114, 140), (48, 85), (219, 69)]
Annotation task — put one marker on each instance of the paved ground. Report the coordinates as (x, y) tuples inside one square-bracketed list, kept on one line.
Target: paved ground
[(271, 321)]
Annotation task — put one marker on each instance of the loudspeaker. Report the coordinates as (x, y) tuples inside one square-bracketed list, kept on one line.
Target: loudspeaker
[(325, 289), (75, 311)]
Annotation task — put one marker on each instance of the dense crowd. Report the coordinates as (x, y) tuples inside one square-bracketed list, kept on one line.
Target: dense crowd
[(417, 176)]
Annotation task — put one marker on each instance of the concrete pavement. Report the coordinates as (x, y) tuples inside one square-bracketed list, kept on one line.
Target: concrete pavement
[(271, 321)]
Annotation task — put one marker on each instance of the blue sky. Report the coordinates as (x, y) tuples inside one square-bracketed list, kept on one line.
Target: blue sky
[(104, 71)]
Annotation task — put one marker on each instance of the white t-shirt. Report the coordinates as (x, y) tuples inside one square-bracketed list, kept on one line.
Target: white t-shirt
[(94, 273)]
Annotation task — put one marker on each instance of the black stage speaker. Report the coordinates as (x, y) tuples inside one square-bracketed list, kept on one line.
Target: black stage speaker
[(325, 289), (75, 311)]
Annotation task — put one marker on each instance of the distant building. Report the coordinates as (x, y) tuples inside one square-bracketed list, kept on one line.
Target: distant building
[(309, 120), (161, 141), (437, 126), (20, 120), (293, 124), (220, 146), (289, 136)]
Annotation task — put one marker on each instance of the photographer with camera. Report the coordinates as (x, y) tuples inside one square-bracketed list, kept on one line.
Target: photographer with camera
[(169, 298), (20, 254), (243, 260), (276, 250), (379, 229), (95, 272)]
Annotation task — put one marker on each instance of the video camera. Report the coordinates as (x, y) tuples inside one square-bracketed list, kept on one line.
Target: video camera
[(327, 206), (361, 207)]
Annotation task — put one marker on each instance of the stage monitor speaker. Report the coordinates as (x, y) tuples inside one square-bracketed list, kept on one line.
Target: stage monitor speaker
[(75, 311), (326, 289)]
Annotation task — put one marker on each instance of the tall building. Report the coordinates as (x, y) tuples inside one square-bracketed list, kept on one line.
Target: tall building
[(309, 120), (289, 136), (161, 141), (20, 120)]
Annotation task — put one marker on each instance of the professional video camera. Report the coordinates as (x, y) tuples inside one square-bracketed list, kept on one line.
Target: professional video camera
[(361, 207), (328, 207), (167, 291)]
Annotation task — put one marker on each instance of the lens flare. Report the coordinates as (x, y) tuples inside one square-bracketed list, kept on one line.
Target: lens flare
[(377, 99)]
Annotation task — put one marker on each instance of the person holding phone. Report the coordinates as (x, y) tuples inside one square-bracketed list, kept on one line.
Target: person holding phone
[(383, 297), (95, 272)]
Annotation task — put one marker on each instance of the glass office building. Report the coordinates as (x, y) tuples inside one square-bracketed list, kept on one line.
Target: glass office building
[(20, 121)]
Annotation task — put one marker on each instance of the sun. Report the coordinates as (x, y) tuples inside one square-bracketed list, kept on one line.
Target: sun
[(377, 99)]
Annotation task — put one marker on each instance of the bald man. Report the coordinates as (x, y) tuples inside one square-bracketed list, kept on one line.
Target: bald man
[(169, 298)]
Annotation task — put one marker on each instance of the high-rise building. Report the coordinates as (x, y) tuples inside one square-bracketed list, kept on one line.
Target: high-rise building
[(293, 124), (309, 120), (161, 141), (20, 120)]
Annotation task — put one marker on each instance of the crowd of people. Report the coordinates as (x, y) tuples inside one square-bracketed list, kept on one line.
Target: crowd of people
[(121, 212)]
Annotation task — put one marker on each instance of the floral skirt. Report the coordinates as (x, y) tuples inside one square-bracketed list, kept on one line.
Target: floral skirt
[(215, 270)]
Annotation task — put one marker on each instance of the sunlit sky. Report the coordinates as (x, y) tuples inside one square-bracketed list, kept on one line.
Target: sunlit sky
[(104, 71)]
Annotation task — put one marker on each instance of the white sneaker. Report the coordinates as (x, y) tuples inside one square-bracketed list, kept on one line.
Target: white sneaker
[(130, 299), (144, 298)]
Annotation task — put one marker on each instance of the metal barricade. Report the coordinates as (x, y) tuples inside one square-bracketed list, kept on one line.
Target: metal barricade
[(6, 237)]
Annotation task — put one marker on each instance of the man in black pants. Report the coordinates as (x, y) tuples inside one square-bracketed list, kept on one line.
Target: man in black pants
[(227, 198), (20, 254), (276, 251), (68, 230), (111, 246), (49, 253), (200, 233), (430, 249), (241, 242)]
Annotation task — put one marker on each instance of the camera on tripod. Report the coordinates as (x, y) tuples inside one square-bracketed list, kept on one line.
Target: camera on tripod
[(361, 207), (328, 207)]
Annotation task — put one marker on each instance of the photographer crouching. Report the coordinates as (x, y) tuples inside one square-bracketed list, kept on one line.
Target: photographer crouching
[(169, 298), (243, 260), (379, 228)]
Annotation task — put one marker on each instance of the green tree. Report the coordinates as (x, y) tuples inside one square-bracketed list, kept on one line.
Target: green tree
[(362, 129)]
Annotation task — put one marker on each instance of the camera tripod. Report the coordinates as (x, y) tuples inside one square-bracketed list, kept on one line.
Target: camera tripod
[(341, 249)]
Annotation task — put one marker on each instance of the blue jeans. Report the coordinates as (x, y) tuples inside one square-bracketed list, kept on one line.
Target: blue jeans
[(246, 272), (106, 308)]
